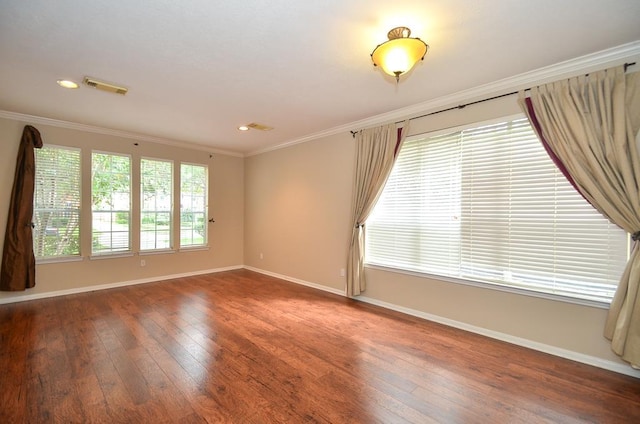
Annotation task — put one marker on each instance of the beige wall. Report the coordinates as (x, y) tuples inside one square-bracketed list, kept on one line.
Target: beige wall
[(226, 206), (298, 204), (297, 210)]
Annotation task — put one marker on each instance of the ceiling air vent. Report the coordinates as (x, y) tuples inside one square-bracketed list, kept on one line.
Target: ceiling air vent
[(100, 85), (259, 127)]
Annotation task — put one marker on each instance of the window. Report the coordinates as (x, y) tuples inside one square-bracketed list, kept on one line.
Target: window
[(193, 205), (56, 202), (156, 199), (111, 203), (486, 204)]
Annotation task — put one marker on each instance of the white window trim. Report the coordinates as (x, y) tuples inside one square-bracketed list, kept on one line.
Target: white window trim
[(129, 251), (58, 259), (111, 256), (485, 284), (150, 252), (194, 247), (172, 213), (78, 257), (493, 286)]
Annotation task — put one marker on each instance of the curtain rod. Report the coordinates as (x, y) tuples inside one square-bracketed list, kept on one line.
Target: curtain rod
[(462, 106)]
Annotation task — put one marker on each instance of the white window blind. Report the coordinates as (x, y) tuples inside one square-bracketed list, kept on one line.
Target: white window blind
[(156, 192), (111, 203), (193, 205), (56, 202), (488, 205)]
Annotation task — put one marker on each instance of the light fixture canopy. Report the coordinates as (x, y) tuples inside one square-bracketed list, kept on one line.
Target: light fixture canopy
[(400, 53)]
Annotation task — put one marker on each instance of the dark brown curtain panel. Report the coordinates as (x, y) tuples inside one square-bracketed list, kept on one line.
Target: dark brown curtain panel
[(18, 261)]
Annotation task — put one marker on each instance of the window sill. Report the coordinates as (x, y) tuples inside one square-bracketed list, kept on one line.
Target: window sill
[(498, 287), (61, 259), (193, 249), (111, 256), (155, 252)]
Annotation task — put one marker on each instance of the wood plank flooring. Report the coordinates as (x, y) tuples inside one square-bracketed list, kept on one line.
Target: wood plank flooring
[(241, 347)]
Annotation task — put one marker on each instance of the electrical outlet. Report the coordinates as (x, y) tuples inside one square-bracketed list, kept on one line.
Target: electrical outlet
[(261, 255), (343, 272), (143, 262)]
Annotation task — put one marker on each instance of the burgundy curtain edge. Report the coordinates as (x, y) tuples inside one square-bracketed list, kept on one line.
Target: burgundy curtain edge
[(556, 160), (399, 135)]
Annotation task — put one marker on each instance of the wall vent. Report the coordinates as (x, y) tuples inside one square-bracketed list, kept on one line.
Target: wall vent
[(104, 86)]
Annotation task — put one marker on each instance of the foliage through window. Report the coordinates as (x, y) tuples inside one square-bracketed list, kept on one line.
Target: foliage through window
[(156, 198), (56, 203), (486, 204), (111, 203), (193, 205)]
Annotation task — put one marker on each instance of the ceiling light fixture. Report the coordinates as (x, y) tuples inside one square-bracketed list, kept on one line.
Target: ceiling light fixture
[(400, 53), (260, 127), (67, 84), (255, 126)]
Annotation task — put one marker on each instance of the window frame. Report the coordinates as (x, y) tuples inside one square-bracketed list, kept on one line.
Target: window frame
[(171, 211), (484, 284), (112, 253), (66, 257), (205, 244)]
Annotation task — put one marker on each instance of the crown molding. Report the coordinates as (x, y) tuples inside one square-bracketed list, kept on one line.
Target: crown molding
[(584, 64), (569, 68), (32, 119)]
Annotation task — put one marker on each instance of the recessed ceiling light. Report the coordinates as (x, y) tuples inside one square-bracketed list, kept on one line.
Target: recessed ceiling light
[(243, 128), (67, 84)]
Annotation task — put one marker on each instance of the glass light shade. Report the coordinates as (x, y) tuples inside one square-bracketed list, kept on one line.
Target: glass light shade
[(399, 55), (67, 84)]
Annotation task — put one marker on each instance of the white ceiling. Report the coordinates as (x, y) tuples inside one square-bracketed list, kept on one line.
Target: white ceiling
[(197, 69)]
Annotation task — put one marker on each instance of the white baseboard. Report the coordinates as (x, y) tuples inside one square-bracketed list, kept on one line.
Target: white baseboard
[(541, 347), (620, 368), (296, 280), (75, 290)]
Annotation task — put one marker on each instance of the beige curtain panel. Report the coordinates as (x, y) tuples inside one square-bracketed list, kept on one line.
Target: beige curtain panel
[(376, 150), (590, 124)]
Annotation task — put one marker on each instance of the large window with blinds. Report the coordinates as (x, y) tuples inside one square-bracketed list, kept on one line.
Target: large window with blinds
[(487, 205), (56, 203)]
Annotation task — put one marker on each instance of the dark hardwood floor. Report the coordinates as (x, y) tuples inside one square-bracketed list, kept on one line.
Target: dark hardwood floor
[(241, 347)]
